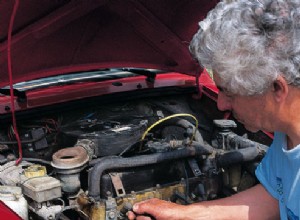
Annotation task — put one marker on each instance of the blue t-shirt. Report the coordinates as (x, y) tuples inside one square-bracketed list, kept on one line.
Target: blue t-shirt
[(279, 173)]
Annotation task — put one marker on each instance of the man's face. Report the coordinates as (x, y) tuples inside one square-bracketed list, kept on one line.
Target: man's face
[(252, 111)]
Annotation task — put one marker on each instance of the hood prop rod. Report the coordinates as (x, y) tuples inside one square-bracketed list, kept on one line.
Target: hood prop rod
[(9, 35)]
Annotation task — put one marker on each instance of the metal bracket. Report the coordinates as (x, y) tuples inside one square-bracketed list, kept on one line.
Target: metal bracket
[(195, 168), (118, 185)]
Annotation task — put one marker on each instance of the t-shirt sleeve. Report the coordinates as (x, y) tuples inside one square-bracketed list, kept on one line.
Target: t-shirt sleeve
[(266, 170)]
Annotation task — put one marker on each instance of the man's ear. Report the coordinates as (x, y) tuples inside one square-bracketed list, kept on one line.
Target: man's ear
[(280, 89)]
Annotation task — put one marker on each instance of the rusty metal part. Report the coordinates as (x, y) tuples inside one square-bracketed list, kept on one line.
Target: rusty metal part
[(99, 210), (118, 185), (68, 164), (91, 209), (88, 145), (164, 193), (70, 158)]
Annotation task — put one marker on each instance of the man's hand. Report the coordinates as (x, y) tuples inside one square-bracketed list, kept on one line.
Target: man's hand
[(158, 209), (254, 203)]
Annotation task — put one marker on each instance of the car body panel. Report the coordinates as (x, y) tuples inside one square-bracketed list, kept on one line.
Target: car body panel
[(67, 93), (66, 36)]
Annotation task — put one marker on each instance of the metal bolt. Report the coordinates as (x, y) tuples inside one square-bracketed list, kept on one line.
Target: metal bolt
[(108, 193), (111, 215)]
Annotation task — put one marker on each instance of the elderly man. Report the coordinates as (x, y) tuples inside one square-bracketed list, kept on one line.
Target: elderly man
[(253, 48)]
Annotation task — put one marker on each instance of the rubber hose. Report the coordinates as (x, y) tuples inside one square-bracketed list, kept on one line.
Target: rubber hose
[(186, 124), (238, 156), (117, 163)]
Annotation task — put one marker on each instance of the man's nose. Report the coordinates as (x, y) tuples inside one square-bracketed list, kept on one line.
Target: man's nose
[(224, 102)]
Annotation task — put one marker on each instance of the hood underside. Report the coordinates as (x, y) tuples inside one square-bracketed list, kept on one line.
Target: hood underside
[(54, 37)]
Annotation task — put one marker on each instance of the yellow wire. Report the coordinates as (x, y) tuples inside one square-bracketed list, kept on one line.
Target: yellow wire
[(169, 117)]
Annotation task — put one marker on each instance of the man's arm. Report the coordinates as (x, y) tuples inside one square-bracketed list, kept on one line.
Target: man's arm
[(255, 203)]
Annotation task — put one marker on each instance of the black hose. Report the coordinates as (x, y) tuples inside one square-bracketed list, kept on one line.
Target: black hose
[(187, 124), (233, 139), (99, 160), (37, 160), (238, 156), (118, 163)]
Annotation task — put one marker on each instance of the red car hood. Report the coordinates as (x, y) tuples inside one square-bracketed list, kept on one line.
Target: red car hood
[(52, 37)]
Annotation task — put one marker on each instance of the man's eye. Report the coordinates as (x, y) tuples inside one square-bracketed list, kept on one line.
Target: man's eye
[(230, 95), (227, 94), (224, 91)]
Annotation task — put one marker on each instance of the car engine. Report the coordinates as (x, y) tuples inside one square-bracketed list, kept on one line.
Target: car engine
[(95, 160)]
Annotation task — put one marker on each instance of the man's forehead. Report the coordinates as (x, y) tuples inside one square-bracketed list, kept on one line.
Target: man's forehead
[(220, 84)]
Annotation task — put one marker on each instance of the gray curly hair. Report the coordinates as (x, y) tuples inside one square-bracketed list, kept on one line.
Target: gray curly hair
[(248, 43)]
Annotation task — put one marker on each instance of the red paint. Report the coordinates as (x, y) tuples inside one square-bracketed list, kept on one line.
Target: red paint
[(7, 213)]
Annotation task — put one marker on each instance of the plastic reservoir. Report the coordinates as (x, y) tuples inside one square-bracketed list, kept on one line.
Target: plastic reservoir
[(12, 196)]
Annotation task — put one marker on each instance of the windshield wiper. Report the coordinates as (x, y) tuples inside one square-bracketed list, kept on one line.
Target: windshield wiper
[(79, 77)]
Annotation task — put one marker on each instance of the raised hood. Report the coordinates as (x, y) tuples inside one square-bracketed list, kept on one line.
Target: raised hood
[(51, 37)]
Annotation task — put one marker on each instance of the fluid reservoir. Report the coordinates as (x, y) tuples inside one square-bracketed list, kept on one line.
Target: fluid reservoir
[(12, 196)]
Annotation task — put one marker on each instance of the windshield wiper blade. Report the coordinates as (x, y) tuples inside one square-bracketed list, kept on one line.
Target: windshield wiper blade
[(72, 78), (79, 77)]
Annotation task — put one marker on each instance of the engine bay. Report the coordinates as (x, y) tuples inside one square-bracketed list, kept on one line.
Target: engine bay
[(95, 161)]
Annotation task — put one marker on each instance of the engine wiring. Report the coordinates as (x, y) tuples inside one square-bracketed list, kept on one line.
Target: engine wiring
[(9, 65), (170, 117), (49, 126), (23, 141)]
